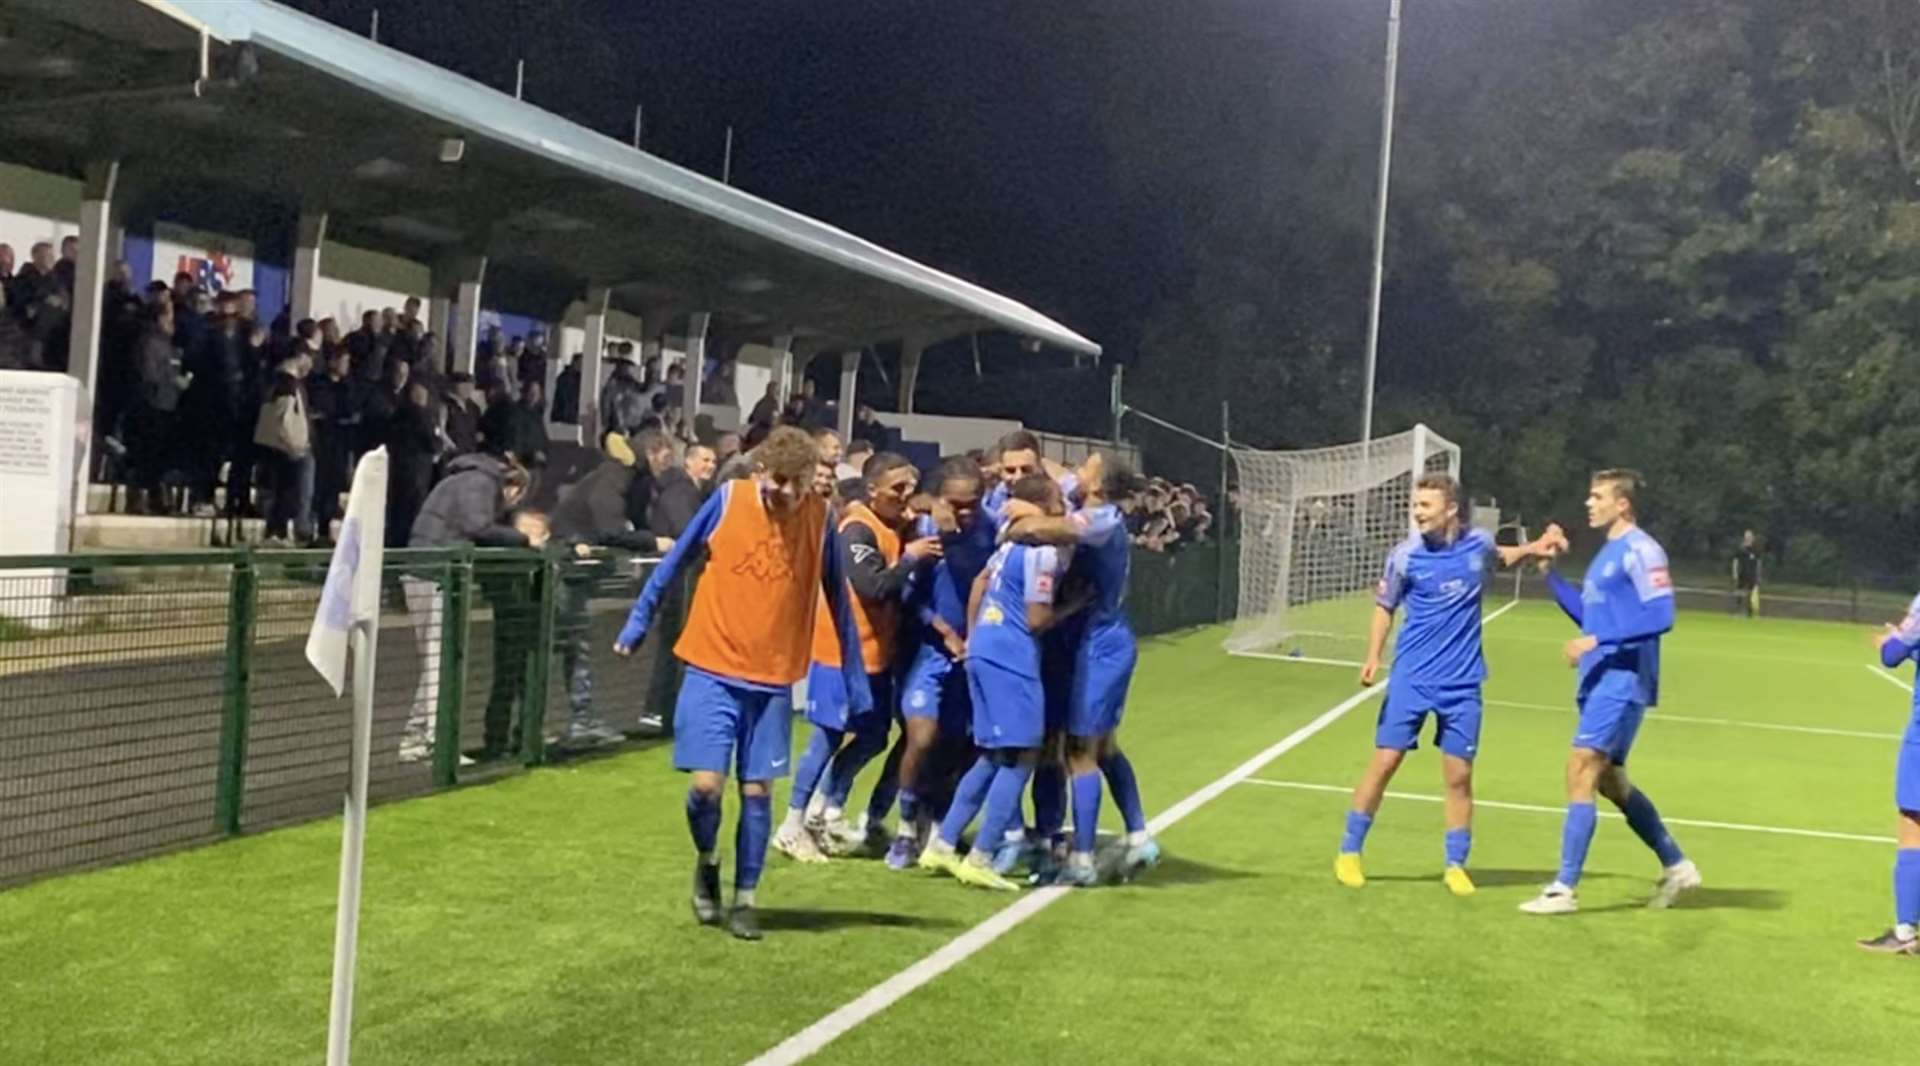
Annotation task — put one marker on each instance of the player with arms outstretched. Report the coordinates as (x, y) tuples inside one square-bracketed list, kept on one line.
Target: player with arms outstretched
[(1622, 609), (771, 552), (1438, 667), (1897, 645)]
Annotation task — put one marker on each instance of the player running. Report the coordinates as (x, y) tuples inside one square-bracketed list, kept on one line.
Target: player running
[(1011, 604), (934, 702), (770, 555), (1623, 608), (1438, 667), (877, 566), (1898, 644), (1102, 663)]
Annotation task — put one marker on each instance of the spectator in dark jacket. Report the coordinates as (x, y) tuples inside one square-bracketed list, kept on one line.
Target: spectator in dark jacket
[(655, 451), (16, 345), (566, 395), (681, 490), (413, 445), (156, 404), (223, 404), (514, 427), (532, 368), (470, 506), (592, 513), (463, 415), (336, 397), (284, 435), (623, 400)]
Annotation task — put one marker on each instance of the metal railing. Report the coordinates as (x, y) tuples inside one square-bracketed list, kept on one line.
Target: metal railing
[(153, 702)]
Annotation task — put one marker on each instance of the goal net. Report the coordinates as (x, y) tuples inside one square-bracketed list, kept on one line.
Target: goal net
[(1315, 529)]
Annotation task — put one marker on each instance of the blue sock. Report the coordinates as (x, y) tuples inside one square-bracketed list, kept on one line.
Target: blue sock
[(1003, 804), (1644, 819), (1049, 799), (1356, 836), (967, 799), (1906, 886), (750, 841), (909, 807), (813, 762), (1574, 841), (1459, 842), (1086, 811), (703, 820), (1126, 791)]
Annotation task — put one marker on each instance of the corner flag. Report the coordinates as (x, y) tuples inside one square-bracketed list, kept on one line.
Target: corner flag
[(352, 593), (349, 615)]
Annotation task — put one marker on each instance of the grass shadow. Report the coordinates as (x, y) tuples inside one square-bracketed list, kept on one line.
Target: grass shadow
[(1174, 870), (826, 921), (1702, 899), (1494, 878)]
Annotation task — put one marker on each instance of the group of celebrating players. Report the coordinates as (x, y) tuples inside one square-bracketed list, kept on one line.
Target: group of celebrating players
[(982, 608)]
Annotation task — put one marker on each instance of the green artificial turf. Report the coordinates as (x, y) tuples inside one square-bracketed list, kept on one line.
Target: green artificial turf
[(543, 919)]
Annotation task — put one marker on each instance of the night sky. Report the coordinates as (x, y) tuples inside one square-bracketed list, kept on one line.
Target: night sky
[(1048, 150)]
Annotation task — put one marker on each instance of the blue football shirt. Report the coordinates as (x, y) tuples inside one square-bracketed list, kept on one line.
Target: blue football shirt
[(1017, 575), (1626, 603), (1439, 583)]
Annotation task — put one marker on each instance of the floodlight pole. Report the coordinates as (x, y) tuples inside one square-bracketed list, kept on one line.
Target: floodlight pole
[(726, 165), (1380, 215), (639, 121), (374, 30)]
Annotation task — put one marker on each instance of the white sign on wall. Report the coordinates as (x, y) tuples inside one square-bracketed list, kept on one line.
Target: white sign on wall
[(37, 439)]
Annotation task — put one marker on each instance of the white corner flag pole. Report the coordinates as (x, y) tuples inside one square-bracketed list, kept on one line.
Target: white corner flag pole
[(349, 615), (353, 842)]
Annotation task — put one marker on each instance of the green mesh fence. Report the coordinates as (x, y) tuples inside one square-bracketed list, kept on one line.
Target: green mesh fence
[(150, 702)]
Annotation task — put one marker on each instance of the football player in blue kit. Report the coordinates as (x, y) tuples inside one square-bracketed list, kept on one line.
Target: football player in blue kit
[(1900, 644), (1011, 604), (1624, 606), (1437, 575)]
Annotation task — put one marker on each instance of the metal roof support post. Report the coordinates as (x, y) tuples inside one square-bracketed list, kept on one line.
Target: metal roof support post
[(910, 351), (89, 290), (472, 272), (783, 372), (439, 310), (306, 262), (697, 324), (591, 358), (849, 387)]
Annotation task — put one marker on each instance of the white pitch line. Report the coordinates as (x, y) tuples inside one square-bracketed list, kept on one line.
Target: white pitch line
[(1535, 808), (1662, 716), (1889, 677), (814, 1037)]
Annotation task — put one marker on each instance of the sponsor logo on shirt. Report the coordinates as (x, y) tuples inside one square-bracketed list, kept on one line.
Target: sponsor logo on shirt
[(1659, 578), (861, 552)]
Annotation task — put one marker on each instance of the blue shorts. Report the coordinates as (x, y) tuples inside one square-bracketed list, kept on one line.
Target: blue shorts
[(1456, 711), (727, 727), (1009, 711), (1101, 674), (936, 688), (827, 700), (1906, 775), (1610, 714)]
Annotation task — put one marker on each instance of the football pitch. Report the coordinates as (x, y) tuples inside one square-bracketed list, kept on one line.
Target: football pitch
[(543, 919)]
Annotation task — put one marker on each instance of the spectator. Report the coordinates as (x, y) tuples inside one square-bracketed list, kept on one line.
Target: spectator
[(680, 492), (655, 451), (469, 507), (795, 412), (155, 405), (336, 398), (855, 461), (491, 344), (511, 427), (718, 389), (463, 415), (379, 408), (767, 408), (6, 267), (868, 427), (725, 448), (413, 446), (16, 345), (67, 270), (566, 394), (361, 342), (44, 309), (531, 367), (223, 404), (623, 401), (828, 443), (284, 432), (411, 315), (676, 390)]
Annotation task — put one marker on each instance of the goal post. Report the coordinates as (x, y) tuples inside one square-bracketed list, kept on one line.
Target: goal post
[(1315, 530)]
